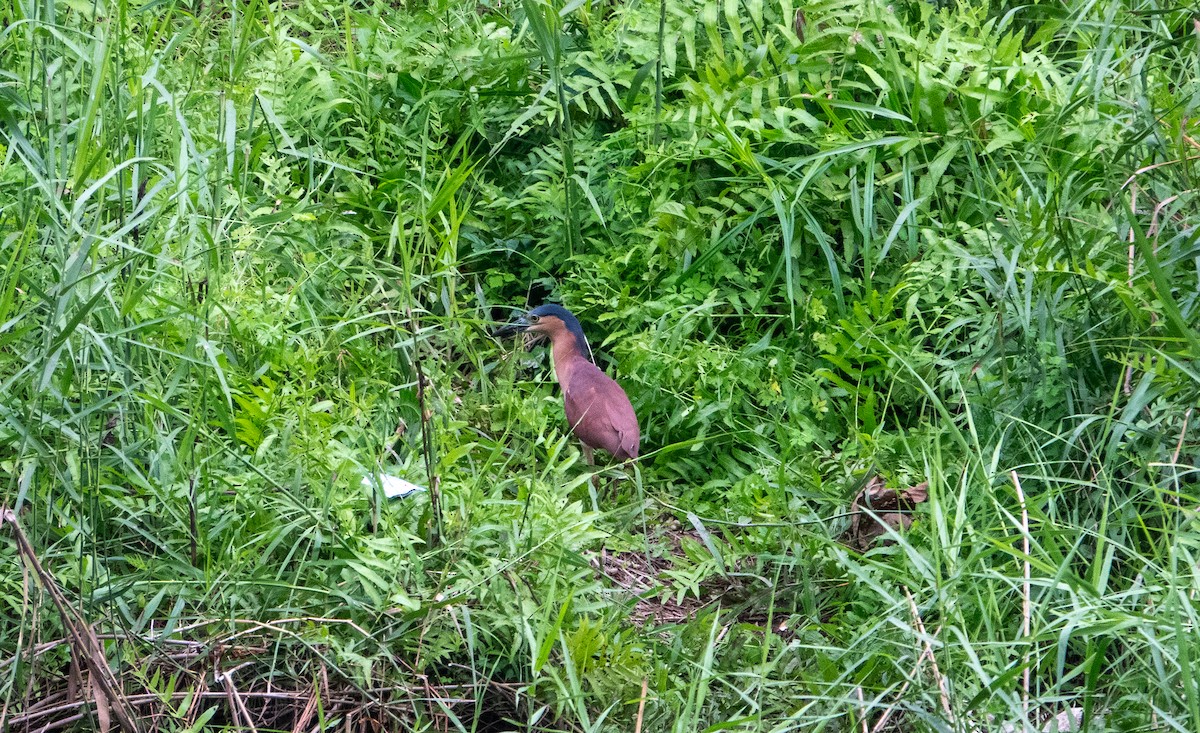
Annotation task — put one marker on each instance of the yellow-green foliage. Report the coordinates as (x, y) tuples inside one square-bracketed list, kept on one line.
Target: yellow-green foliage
[(251, 252)]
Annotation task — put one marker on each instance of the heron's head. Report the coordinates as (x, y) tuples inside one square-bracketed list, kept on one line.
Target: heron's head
[(553, 322)]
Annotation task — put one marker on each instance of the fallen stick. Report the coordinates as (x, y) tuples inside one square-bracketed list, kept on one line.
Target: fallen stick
[(84, 644)]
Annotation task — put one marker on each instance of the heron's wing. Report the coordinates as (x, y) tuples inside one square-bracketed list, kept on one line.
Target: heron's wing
[(599, 412)]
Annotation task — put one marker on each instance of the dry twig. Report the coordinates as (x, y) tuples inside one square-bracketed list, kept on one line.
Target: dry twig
[(236, 705), (1027, 597), (862, 709), (637, 728), (926, 653), (109, 698), (1179, 445)]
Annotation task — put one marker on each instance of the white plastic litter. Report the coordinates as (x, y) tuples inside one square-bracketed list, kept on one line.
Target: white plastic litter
[(394, 487)]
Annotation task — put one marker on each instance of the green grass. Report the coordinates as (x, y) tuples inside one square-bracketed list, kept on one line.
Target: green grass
[(253, 252)]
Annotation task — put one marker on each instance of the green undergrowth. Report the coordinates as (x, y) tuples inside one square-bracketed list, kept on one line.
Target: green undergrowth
[(254, 252)]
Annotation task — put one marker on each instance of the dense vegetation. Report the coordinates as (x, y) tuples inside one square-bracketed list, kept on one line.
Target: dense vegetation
[(252, 252)]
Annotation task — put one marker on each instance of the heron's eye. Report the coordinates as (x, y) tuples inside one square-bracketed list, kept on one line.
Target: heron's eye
[(534, 319)]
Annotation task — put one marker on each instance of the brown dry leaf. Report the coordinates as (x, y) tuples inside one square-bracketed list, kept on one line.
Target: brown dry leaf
[(893, 507), (78, 683), (75, 680), (103, 711), (110, 431), (798, 24)]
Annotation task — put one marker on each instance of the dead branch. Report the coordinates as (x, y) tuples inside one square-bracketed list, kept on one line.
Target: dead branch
[(84, 644)]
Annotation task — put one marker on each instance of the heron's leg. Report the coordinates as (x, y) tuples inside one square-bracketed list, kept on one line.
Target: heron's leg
[(590, 459)]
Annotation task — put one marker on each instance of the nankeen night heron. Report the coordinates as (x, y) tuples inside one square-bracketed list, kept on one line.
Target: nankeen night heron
[(598, 410)]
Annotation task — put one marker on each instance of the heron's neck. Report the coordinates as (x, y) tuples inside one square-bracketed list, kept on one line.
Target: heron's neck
[(565, 350)]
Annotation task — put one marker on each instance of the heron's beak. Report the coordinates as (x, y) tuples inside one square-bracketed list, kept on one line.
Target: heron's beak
[(518, 326)]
